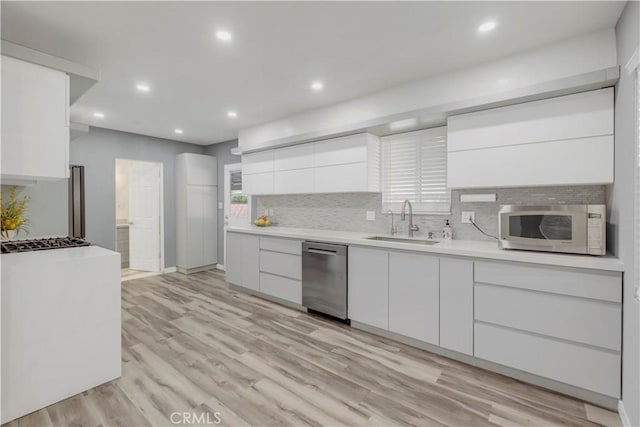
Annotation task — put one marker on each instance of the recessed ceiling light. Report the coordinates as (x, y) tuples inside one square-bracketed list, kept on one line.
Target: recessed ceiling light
[(143, 87), (232, 114), (317, 86), (487, 26), (223, 35), (98, 115), (178, 131)]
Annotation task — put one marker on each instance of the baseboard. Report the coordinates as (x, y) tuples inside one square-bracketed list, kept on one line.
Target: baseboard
[(221, 267), (169, 270), (624, 418), (195, 269)]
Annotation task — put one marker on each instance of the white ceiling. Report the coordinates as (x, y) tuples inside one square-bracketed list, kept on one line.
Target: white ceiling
[(278, 48)]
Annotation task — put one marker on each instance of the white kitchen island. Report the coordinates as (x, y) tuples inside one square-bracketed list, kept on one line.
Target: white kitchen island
[(61, 325)]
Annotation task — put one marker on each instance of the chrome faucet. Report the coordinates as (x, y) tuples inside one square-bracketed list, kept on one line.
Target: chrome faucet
[(393, 229), (403, 215)]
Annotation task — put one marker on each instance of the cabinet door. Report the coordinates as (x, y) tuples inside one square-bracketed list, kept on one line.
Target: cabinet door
[(257, 183), (342, 178), (195, 226), (369, 286), (233, 262), (296, 157), (299, 181), (346, 149), (456, 305), (414, 296), (35, 132), (250, 262), (259, 162), (200, 169), (210, 224)]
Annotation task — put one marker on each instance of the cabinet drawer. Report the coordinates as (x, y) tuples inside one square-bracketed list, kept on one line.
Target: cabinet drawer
[(281, 264), (281, 287), (289, 246), (602, 285), (582, 320), (580, 366)]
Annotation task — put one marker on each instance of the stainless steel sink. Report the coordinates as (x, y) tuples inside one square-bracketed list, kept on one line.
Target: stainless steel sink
[(402, 240)]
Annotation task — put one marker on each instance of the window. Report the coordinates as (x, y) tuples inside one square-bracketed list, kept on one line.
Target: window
[(414, 167)]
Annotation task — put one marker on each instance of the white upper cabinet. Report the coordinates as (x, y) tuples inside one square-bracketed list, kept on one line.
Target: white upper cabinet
[(35, 122), (293, 170), (260, 162), (566, 140), (338, 165), (257, 172)]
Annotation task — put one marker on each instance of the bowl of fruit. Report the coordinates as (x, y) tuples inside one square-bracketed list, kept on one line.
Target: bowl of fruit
[(262, 221)]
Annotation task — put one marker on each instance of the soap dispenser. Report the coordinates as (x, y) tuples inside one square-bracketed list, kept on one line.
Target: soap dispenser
[(447, 231)]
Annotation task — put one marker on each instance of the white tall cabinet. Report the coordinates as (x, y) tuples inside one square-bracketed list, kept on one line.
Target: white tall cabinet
[(35, 122), (197, 213)]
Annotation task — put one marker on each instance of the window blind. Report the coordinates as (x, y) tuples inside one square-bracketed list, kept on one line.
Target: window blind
[(414, 167)]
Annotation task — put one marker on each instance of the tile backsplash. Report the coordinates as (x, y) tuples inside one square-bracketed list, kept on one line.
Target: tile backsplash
[(347, 211)]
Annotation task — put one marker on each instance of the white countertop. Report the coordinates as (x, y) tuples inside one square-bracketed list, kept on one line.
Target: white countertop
[(55, 255), (467, 248)]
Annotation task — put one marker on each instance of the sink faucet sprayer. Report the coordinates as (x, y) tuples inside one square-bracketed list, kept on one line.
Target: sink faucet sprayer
[(403, 215), (393, 229)]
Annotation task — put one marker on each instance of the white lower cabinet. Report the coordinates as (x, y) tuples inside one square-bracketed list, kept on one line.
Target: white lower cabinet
[(281, 268), (414, 296), (243, 260), (368, 300), (456, 305), (557, 323)]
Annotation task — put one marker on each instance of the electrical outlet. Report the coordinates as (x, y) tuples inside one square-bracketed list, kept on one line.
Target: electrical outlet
[(468, 217), (371, 215)]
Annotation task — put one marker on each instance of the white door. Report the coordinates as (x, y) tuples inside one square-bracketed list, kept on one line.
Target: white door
[(237, 205), (144, 217)]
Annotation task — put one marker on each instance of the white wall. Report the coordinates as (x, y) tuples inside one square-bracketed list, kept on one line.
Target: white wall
[(98, 151), (591, 52), (621, 202)]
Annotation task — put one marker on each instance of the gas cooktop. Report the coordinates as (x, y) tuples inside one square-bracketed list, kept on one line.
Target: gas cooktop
[(15, 246)]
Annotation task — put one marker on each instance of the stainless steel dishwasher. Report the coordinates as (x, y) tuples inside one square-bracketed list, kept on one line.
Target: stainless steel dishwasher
[(324, 278)]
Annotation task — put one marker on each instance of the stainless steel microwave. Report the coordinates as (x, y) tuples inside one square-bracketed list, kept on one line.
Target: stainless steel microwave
[(577, 229)]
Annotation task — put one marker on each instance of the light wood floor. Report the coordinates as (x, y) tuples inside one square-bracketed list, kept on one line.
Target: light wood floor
[(190, 344)]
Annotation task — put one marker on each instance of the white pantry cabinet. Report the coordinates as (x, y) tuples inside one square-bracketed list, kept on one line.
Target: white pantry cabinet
[(196, 212), (35, 122), (368, 300), (414, 296), (567, 140), (346, 164), (243, 260)]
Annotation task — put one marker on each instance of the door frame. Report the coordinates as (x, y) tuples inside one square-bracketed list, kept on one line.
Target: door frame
[(227, 204), (162, 268)]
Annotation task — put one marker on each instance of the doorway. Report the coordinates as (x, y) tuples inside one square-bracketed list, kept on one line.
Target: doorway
[(237, 205), (139, 218)]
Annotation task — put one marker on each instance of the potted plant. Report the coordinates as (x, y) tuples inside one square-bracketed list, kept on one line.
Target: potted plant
[(12, 218)]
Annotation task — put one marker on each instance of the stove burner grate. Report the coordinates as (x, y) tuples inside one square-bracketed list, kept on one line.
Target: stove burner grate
[(15, 246)]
